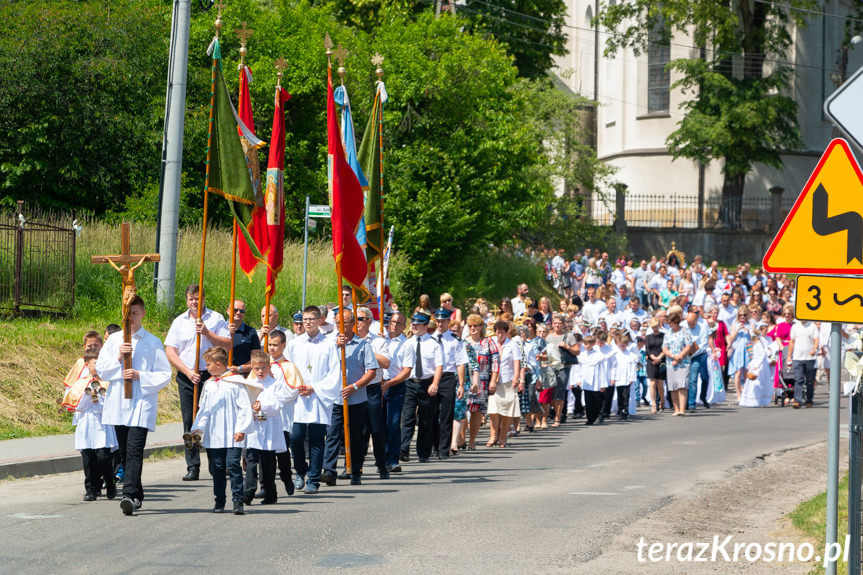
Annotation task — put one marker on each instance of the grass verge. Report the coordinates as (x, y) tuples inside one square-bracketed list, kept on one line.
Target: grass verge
[(810, 517)]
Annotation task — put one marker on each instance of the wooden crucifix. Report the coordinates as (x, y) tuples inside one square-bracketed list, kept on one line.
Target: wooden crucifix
[(126, 263)]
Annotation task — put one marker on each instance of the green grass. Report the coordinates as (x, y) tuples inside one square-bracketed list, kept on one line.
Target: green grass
[(36, 352), (810, 517), (165, 453)]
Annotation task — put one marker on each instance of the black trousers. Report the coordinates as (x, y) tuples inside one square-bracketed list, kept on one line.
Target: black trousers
[(578, 408), (607, 398), (264, 462), (592, 404), (187, 392), (284, 461), (417, 411), (443, 404), (98, 467), (133, 440), (623, 400), (336, 435), (376, 425)]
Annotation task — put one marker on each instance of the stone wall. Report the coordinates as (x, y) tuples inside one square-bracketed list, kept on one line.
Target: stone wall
[(729, 247)]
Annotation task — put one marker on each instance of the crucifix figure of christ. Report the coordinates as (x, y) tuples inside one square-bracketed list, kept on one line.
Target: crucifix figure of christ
[(126, 263)]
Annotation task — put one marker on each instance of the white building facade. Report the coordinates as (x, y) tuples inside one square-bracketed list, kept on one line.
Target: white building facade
[(637, 110)]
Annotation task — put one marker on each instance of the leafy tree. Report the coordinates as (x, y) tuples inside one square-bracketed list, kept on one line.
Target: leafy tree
[(78, 100), (532, 30), (738, 110)]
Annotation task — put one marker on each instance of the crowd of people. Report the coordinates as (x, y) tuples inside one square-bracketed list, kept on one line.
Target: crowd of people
[(658, 334)]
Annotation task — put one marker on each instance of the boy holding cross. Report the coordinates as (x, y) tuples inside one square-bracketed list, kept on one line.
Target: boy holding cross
[(133, 417)]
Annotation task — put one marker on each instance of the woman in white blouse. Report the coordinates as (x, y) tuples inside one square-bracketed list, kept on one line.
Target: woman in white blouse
[(502, 395)]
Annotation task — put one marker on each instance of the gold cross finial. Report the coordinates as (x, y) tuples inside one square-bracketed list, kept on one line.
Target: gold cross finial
[(218, 23), (280, 64), (341, 55), (378, 60), (244, 33)]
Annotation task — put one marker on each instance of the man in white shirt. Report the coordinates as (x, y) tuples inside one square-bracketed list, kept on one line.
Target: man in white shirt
[(727, 310), (317, 360), (393, 386), (519, 302), (133, 418), (451, 381), (592, 307), (332, 315), (180, 346), (425, 357), (610, 314), (802, 348)]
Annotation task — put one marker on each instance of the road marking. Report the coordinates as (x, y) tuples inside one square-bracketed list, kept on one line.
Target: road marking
[(33, 516), (592, 493), (630, 487)]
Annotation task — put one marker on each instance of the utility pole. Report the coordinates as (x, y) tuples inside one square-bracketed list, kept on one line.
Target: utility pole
[(172, 155)]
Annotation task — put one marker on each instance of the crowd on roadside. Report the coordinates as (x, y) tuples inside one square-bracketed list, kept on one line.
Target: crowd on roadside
[(658, 333)]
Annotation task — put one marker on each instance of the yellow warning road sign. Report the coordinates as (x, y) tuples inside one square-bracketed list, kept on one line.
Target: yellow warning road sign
[(823, 232), (826, 298)]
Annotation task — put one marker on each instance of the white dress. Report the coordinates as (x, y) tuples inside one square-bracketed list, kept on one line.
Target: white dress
[(758, 392)]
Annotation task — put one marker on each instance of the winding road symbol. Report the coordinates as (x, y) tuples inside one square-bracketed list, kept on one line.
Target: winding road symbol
[(825, 225)]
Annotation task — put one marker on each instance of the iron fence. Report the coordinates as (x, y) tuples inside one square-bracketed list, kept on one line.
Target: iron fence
[(682, 211), (37, 264)]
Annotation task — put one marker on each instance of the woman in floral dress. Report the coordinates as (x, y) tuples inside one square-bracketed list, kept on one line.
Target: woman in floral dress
[(487, 361)]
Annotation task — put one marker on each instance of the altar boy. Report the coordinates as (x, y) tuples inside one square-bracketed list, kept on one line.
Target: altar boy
[(133, 418), (266, 437), (94, 440), (224, 418)]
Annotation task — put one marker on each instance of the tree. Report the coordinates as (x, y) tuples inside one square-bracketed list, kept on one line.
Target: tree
[(532, 30), (77, 91), (738, 109)]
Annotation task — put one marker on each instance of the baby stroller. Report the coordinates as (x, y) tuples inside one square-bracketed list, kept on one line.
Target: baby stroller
[(783, 381)]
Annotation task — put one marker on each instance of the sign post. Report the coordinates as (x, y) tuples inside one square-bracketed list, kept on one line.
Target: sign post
[(312, 211), (823, 234)]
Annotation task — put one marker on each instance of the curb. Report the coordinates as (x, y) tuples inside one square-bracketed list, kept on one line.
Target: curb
[(21, 468)]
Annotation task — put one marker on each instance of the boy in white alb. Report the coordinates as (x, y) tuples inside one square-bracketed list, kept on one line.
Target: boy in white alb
[(283, 369), (94, 440), (604, 367), (624, 373), (133, 418), (267, 436), (592, 382), (224, 417)]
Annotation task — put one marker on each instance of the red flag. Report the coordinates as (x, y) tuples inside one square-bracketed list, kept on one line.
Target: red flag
[(347, 201), (274, 199), (258, 225)]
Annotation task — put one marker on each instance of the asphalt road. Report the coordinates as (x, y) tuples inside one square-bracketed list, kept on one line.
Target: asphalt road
[(550, 502)]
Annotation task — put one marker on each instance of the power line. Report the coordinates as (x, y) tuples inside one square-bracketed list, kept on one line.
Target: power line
[(617, 34), (809, 11)]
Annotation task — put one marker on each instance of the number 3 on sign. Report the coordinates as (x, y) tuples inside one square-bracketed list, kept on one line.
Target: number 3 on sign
[(829, 298), (816, 297)]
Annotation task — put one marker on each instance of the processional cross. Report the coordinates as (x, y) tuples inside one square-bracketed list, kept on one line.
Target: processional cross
[(127, 271)]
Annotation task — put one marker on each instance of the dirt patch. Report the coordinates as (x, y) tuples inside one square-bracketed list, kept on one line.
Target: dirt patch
[(751, 505)]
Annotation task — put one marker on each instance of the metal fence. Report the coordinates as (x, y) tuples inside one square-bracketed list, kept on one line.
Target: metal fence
[(679, 211), (37, 264)]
